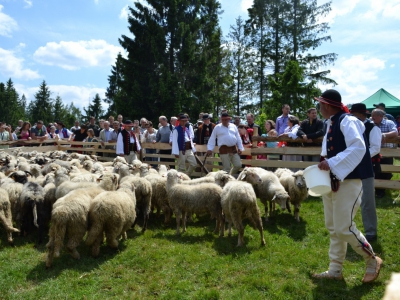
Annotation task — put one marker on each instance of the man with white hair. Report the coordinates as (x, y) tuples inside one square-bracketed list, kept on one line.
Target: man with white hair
[(163, 136), (143, 128), (105, 138)]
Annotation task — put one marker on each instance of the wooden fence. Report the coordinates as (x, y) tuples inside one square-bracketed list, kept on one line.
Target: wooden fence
[(212, 162)]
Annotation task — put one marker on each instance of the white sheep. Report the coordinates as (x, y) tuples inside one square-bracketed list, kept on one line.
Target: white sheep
[(159, 196), (143, 192), (199, 199), (269, 191), (295, 185), (239, 201), (162, 169), (221, 177), (112, 213), (69, 217), (6, 215)]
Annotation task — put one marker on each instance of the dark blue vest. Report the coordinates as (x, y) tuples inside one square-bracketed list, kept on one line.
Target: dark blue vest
[(335, 143)]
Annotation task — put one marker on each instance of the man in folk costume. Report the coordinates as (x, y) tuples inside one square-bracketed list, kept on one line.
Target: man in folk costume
[(183, 147), (344, 154), (127, 143), (205, 130)]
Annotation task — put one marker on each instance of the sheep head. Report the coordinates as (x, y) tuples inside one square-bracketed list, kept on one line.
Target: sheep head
[(300, 181), (281, 198)]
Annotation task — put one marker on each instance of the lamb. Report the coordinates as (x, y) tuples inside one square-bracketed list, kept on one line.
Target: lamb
[(120, 159), (123, 170), (239, 201), (52, 167), (162, 169), (143, 191), (69, 217), (6, 215), (269, 190), (201, 198), (98, 168), (112, 213), (34, 210), (295, 185), (221, 177)]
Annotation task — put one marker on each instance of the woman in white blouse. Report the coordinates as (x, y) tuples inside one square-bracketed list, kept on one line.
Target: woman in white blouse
[(149, 136), (291, 132)]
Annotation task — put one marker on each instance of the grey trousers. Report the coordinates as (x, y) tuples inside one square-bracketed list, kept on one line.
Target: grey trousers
[(368, 209)]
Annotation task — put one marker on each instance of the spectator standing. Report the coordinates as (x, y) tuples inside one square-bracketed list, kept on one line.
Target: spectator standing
[(24, 133), (205, 130), (183, 147), (127, 143), (104, 137), (373, 139), (250, 122), (388, 131), (52, 133), (382, 107), (143, 127), (101, 125), (282, 120), (115, 132), (398, 122), (229, 143), (237, 121), (5, 135), (348, 162), (120, 119), (92, 125), (76, 126), (150, 136), (63, 133), (268, 126), (310, 129), (39, 132), (111, 120), (163, 136), (291, 132), (20, 123)]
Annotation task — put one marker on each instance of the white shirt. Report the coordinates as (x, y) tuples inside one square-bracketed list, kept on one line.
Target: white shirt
[(188, 137), (120, 145), (292, 132), (375, 138), (346, 161), (228, 136), (61, 134)]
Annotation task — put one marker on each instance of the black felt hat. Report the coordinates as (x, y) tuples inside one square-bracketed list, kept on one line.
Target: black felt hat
[(359, 107), (331, 97)]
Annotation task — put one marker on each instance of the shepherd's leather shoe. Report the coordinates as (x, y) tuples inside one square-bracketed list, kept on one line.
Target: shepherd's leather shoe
[(327, 275), (371, 276)]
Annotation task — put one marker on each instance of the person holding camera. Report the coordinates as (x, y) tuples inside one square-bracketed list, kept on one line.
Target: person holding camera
[(5, 135)]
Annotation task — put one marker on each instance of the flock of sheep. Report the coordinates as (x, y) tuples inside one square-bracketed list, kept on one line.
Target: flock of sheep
[(73, 195)]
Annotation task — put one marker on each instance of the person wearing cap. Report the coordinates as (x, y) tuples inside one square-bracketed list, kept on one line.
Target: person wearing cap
[(205, 130), (373, 139), (229, 142), (127, 143), (345, 157), (388, 131), (62, 132), (183, 147), (382, 106)]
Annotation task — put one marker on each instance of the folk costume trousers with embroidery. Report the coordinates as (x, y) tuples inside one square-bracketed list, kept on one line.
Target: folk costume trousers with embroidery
[(339, 210), (229, 158), (187, 157)]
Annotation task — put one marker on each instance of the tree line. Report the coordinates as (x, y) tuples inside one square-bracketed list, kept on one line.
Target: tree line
[(177, 60)]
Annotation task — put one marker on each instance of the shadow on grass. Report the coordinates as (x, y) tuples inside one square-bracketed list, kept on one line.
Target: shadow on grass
[(20, 241), (86, 264), (284, 220), (337, 289)]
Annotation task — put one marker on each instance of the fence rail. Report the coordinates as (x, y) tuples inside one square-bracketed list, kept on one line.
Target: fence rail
[(213, 161)]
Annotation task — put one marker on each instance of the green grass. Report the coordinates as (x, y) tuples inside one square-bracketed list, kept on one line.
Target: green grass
[(199, 265)]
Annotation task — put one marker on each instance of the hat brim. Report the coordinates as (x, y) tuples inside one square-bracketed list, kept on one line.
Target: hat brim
[(327, 101), (360, 111)]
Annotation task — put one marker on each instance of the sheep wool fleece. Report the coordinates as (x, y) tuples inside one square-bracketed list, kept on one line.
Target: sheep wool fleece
[(339, 214)]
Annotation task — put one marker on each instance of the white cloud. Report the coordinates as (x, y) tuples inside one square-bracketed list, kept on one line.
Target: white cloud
[(79, 95), (357, 77), (339, 8), (124, 13), (245, 4), (76, 55), (7, 24), (388, 8), (28, 3), (392, 65), (12, 66)]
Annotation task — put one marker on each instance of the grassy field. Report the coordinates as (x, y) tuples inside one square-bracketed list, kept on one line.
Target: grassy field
[(199, 265)]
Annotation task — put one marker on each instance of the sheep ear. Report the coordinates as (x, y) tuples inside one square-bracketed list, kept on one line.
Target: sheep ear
[(99, 179), (28, 173), (273, 199), (242, 176), (149, 167), (115, 178)]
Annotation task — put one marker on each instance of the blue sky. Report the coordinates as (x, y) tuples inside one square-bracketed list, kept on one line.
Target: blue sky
[(72, 44)]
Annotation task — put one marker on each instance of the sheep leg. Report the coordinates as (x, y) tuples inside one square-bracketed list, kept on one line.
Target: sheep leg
[(258, 223), (50, 253), (145, 219), (296, 212), (230, 228), (266, 210), (178, 215), (221, 225), (288, 206), (71, 247), (96, 245), (184, 221), (112, 237), (239, 226), (167, 213)]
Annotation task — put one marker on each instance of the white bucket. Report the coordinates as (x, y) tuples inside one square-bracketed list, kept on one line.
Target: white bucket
[(318, 181)]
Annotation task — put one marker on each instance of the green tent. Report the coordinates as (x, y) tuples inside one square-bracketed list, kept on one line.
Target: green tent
[(382, 96)]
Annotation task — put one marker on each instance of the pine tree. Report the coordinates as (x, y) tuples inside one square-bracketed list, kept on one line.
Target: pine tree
[(241, 68), (94, 109), (42, 107)]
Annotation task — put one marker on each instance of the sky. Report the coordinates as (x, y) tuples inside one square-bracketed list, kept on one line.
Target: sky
[(73, 44)]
